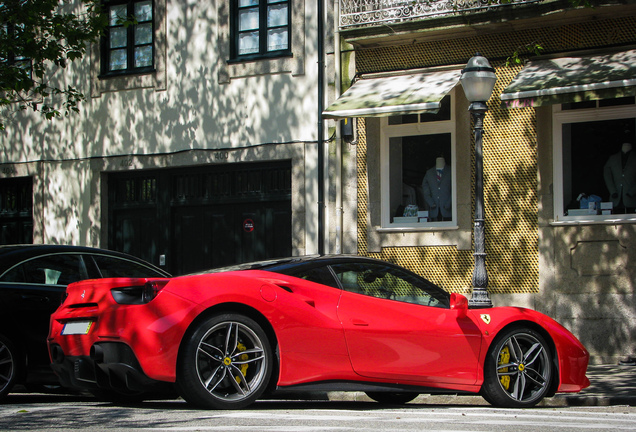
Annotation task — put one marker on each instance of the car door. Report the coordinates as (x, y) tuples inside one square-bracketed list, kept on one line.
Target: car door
[(35, 288), (398, 326)]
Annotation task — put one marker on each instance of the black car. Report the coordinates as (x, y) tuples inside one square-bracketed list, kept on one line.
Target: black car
[(33, 280)]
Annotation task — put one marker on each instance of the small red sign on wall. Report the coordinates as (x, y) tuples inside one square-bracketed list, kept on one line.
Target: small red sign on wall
[(248, 225)]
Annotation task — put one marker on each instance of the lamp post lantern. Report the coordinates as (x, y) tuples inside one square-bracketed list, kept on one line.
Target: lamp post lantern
[(478, 80)]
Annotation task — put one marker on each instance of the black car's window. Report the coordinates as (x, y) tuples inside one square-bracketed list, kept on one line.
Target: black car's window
[(59, 269), (384, 281), (119, 267)]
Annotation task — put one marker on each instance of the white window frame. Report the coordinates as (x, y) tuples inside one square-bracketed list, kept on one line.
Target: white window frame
[(561, 117), (403, 130)]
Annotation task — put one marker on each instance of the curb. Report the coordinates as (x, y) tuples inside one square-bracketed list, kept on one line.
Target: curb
[(610, 385)]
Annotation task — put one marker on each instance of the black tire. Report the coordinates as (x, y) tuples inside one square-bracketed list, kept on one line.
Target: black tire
[(392, 398), (226, 363), (518, 370), (9, 366)]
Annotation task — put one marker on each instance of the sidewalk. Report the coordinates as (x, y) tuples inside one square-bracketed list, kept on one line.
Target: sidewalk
[(609, 385)]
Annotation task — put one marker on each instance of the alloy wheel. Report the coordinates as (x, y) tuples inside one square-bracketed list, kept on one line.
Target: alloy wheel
[(518, 370), (227, 364), (7, 367)]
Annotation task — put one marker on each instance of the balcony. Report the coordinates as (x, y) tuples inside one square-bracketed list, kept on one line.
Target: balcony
[(371, 13)]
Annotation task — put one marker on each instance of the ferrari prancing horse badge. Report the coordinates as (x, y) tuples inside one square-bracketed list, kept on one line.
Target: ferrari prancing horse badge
[(485, 318)]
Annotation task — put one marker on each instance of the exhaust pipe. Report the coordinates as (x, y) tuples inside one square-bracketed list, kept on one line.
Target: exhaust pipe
[(97, 354), (57, 354)]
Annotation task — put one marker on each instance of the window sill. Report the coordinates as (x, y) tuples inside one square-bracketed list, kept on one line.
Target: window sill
[(449, 235), (416, 228), (123, 74), (258, 57), (595, 220)]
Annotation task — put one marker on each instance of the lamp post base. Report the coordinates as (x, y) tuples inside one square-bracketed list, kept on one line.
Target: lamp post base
[(479, 299)]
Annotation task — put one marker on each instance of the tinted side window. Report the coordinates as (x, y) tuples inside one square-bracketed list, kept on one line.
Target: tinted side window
[(384, 281), (319, 275), (119, 267), (49, 270)]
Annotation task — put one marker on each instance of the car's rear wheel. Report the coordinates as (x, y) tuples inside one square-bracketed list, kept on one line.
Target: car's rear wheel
[(518, 370), (225, 364), (392, 398), (9, 365)]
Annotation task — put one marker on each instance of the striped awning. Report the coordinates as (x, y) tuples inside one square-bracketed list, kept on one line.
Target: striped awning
[(394, 94), (572, 79)]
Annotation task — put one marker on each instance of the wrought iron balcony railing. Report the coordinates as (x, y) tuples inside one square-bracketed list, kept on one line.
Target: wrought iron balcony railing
[(360, 13)]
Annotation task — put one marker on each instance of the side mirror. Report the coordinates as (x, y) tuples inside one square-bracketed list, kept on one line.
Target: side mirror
[(459, 303)]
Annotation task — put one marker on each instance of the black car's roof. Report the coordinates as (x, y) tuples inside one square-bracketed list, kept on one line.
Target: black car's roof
[(13, 254)]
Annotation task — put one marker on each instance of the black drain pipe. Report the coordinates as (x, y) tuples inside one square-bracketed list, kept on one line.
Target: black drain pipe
[(321, 133)]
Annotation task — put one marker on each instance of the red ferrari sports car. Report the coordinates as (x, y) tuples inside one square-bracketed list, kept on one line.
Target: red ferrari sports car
[(225, 338)]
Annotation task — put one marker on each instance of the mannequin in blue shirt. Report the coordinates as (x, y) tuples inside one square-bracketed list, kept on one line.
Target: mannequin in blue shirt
[(436, 187), (620, 179)]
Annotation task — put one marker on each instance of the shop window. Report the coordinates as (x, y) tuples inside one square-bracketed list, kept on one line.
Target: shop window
[(595, 166), (418, 175)]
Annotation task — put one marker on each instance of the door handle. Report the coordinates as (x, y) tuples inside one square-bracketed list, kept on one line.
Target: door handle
[(359, 322), (35, 298)]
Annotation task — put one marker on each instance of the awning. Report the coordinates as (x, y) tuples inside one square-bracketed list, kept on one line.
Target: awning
[(572, 79), (379, 96)]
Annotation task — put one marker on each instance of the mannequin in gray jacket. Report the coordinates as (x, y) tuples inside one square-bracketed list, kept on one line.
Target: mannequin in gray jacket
[(620, 179), (436, 187)]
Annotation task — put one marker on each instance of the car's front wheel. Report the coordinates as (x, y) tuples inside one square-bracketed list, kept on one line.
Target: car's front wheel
[(518, 369), (9, 365), (226, 363)]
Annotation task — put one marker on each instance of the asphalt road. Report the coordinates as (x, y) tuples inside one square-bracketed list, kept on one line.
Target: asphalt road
[(34, 412)]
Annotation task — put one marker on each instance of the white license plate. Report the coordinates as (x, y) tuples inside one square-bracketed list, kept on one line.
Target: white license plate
[(77, 327)]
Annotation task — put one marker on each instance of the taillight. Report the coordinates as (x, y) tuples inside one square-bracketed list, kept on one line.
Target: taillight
[(151, 289), (140, 294)]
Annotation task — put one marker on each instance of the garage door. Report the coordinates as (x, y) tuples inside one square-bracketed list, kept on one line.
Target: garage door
[(16, 211), (202, 217)]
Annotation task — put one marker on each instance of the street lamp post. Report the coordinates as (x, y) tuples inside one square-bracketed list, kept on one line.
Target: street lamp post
[(478, 80)]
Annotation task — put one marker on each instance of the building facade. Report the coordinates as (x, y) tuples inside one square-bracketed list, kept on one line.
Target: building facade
[(560, 230), (206, 139), (198, 144)]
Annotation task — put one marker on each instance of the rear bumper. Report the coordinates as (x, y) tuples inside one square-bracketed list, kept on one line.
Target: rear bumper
[(110, 366)]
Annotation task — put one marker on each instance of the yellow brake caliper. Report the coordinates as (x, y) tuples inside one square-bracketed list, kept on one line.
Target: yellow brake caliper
[(242, 357), (504, 358)]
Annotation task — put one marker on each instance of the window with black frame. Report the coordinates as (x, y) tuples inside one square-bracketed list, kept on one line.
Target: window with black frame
[(260, 29), (9, 56), (598, 164), (128, 42)]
